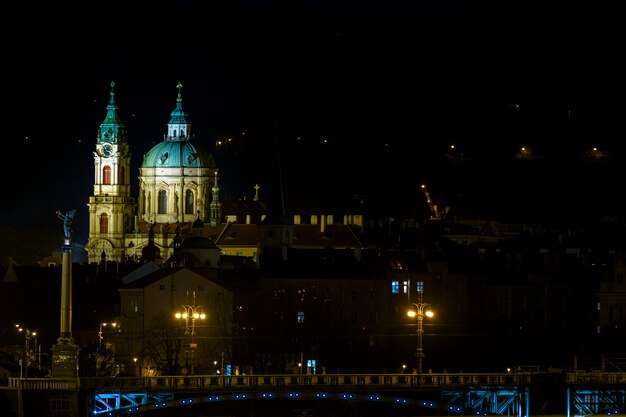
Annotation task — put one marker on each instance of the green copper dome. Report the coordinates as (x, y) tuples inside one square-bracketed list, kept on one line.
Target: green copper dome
[(177, 150), (177, 154)]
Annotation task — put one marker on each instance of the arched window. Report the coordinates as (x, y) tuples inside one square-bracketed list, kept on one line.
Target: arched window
[(122, 177), (106, 175), (162, 202), (104, 223), (189, 202), (143, 202)]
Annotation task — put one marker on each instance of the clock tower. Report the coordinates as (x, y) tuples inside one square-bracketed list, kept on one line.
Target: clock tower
[(111, 208)]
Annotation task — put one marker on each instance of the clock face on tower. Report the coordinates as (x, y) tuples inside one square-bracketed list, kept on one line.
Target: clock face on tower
[(107, 150)]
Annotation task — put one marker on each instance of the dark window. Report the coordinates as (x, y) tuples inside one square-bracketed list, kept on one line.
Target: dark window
[(189, 202), (162, 202)]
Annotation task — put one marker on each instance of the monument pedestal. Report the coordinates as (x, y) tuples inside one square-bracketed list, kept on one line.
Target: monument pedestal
[(64, 360)]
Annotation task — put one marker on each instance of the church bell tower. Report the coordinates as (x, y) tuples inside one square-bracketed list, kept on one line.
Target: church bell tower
[(111, 205)]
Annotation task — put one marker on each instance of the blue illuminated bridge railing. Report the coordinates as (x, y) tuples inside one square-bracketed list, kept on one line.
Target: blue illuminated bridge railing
[(454, 394)]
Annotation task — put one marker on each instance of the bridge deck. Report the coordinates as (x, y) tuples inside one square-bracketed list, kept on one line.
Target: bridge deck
[(588, 393)]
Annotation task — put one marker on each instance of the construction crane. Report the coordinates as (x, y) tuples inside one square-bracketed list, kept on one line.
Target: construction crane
[(435, 214)]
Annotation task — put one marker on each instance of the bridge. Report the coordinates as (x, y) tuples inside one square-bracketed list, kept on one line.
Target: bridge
[(510, 394)]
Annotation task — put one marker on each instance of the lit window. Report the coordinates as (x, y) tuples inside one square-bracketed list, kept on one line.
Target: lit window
[(395, 287), (405, 287), (106, 175), (419, 286), (300, 316), (104, 223)]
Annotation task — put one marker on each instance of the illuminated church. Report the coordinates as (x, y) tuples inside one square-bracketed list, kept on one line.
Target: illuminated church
[(178, 205), (178, 186)]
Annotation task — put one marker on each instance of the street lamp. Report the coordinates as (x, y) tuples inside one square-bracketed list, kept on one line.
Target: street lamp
[(26, 355), (190, 313), (100, 332), (420, 310)]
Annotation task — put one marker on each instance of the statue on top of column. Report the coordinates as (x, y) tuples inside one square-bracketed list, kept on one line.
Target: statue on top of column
[(67, 218)]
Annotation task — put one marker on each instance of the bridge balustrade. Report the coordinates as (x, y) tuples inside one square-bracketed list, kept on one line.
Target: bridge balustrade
[(328, 380), (586, 377)]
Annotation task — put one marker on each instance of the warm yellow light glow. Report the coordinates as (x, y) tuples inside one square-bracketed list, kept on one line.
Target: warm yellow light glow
[(413, 313), (178, 315), (202, 316)]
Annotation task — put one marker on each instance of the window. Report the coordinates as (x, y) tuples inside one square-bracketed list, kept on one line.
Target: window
[(395, 287), (405, 287), (300, 316), (162, 202), (104, 223), (122, 177), (106, 175), (161, 287), (189, 202), (419, 286)]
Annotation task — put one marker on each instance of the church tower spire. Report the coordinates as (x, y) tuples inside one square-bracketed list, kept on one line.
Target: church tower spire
[(111, 205), (215, 206)]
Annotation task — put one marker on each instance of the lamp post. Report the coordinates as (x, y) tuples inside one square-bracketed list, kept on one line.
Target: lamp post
[(419, 310), (190, 313), (100, 333), (26, 356)]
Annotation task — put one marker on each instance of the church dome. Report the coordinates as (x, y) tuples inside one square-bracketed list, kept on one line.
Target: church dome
[(177, 150), (177, 154)]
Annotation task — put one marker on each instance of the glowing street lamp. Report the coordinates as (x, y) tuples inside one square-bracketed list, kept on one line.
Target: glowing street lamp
[(100, 333), (420, 310), (190, 313), (26, 355), (102, 326)]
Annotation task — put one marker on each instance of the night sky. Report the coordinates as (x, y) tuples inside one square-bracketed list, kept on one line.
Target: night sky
[(360, 98)]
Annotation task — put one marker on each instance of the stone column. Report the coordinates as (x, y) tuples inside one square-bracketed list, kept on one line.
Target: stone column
[(65, 352)]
